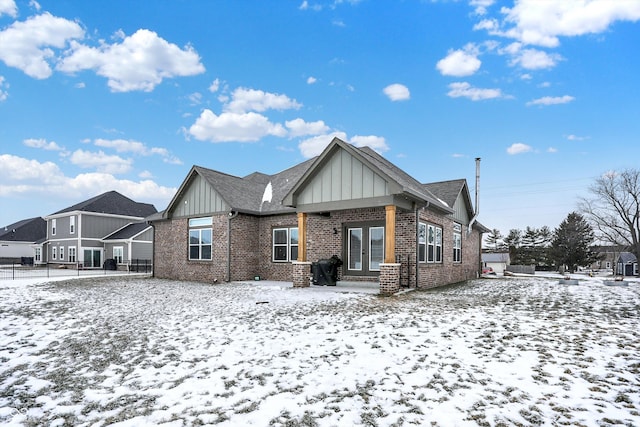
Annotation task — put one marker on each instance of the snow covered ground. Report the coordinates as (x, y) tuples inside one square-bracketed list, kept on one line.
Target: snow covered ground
[(129, 351)]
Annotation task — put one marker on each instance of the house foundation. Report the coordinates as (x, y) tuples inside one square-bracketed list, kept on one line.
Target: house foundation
[(389, 278), (301, 274)]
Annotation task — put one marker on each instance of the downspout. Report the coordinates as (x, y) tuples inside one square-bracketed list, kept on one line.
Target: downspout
[(232, 214), (418, 241), (477, 212)]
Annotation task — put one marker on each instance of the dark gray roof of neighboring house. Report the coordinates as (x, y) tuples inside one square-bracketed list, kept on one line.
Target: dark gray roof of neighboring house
[(114, 203), (627, 257), (27, 230), (128, 231)]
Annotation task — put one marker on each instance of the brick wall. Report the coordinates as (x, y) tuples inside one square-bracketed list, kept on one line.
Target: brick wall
[(171, 258)]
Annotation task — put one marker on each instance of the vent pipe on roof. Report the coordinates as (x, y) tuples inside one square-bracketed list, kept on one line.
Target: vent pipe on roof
[(475, 216)]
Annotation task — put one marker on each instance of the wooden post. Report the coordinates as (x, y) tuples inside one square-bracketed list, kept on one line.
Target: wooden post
[(302, 236), (390, 235)]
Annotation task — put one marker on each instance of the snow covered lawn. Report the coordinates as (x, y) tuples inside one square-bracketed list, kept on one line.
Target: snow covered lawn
[(491, 352)]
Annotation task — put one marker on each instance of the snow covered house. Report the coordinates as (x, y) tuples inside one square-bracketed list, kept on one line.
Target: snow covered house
[(20, 240), (384, 225), (495, 261), (107, 226)]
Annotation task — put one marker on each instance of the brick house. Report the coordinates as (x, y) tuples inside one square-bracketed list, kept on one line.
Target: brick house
[(350, 202)]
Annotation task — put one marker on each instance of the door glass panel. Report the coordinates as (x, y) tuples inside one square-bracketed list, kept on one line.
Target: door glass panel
[(376, 248), (355, 249), (96, 259)]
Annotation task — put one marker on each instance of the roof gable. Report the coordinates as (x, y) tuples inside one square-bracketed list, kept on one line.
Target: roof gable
[(26, 230), (344, 172), (456, 194), (113, 203), (129, 231)]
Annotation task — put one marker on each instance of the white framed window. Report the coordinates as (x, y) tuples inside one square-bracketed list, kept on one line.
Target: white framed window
[(608, 265), (54, 224), (72, 224), (457, 246), (72, 254), (200, 239), (54, 252), (285, 244), (422, 242), (38, 254), (376, 248), (61, 253), (118, 254)]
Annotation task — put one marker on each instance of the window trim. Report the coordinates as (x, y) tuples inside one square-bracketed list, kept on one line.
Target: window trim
[(61, 254), (457, 244), (72, 224), (289, 245), (72, 254), (120, 249), (435, 256), (199, 225), (54, 224), (54, 253)]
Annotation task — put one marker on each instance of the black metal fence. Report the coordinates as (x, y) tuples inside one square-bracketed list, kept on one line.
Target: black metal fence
[(26, 271)]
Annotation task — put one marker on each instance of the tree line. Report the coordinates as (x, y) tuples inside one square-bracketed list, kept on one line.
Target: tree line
[(610, 216)]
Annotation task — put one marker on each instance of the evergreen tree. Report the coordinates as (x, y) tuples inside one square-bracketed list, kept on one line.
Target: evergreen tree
[(513, 241), (572, 243), (494, 241)]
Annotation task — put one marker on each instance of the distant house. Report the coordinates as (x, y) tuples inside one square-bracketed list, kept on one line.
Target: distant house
[(627, 264), (496, 261), (107, 226), (350, 202), (608, 257), (17, 240)]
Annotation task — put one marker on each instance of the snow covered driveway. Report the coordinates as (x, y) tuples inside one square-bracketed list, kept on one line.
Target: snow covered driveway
[(492, 352)]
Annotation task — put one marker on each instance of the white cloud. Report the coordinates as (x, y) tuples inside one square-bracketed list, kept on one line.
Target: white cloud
[(195, 98), (24, 176), (459, 63), (3, 89), (145, 174), (552, 150), (298, 127), (532, 59), (215, 86), (465, 90), (140, 62), (28, 45), (519, 148), (136, 147), (239, 127), (481, 5), (543, 22), (576, 138), (312, 147), (42, 143), (100, 161), (551, 100), (397, 92), (377, 143), (8, 7), (243, 100), (311, 80)]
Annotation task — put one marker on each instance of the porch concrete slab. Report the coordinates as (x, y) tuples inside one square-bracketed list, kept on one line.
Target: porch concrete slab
[(341, 286)]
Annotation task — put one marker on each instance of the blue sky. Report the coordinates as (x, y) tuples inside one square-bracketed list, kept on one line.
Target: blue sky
[(128, 95)]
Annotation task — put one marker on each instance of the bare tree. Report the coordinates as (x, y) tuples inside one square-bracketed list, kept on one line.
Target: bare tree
[(614, 209)]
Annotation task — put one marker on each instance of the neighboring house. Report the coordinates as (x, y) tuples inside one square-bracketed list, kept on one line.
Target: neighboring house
[(627, 264), (496, 261), (350, 202), (108, 226), (17, 240), (608, 257)]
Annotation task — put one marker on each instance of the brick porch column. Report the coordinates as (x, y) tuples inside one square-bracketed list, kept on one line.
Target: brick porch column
[(301, 273), (389, 278)]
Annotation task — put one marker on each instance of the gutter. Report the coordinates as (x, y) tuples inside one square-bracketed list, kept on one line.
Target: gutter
[(477, 212), (232, 214)]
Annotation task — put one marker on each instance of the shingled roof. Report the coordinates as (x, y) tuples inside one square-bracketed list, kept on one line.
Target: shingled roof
[(128, 231), (27, 230), (113, 203)]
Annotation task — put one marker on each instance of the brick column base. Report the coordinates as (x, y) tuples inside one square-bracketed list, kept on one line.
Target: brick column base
[(389, 278), (301, 274)]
